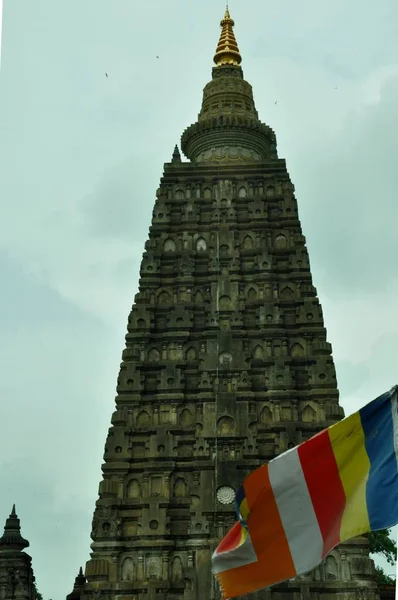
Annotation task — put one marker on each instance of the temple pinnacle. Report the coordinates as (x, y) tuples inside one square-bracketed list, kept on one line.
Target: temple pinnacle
[(176, 155), (78, 586), (227, 52), (11, 540)]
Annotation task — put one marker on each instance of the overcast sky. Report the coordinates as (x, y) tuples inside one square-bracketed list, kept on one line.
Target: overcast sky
[(81, 155)]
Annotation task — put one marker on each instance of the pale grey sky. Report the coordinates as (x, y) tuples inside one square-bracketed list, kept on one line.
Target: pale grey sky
[(80, 160)]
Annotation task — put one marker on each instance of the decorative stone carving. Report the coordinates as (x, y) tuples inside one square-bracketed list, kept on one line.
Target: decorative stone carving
[(225, 425), (16, 573), (134, 489), (106, 523), (226, 363), (176, 569), (128, 570)]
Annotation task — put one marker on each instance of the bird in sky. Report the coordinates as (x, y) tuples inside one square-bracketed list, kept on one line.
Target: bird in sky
[(106, 74)]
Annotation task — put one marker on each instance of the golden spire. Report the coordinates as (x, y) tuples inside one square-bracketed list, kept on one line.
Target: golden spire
[(227, 52)]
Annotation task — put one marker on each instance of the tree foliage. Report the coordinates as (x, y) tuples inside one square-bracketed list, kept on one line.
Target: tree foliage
[(382, 578), (380, 542)]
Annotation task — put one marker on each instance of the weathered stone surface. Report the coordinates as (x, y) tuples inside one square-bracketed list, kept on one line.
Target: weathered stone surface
[(226, 365), (16, 574), (78, 586)]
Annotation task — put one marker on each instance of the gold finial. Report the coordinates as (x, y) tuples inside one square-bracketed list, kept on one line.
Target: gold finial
[(227, 52)]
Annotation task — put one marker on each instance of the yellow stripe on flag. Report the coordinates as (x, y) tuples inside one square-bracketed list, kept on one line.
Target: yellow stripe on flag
[(348, 442)]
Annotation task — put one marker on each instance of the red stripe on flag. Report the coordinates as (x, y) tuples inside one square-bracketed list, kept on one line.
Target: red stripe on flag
[(325, 487), (232, 540)]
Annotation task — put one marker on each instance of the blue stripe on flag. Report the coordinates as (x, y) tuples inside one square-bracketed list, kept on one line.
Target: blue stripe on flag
[(382, 484), (239, 497)]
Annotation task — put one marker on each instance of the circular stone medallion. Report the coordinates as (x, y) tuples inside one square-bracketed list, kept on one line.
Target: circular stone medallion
[(225, 494)]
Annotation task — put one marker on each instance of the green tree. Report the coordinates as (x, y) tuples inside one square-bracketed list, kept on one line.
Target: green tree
[(382, 577), (382, 544)]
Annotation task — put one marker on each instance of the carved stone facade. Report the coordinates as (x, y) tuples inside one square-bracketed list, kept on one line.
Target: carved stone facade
[(16, 574), (78, 586), (226, 365)]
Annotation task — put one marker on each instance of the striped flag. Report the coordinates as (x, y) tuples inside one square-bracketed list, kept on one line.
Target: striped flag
[(293, 511)]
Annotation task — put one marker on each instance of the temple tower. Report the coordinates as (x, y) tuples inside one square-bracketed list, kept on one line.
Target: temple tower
[(226, 362), (16, 573)]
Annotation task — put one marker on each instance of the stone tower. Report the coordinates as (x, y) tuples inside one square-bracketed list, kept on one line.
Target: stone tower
[(16, 574), (226, 362)]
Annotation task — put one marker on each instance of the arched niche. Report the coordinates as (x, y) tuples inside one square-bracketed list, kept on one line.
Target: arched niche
[(247, 243), (128, 570), (153, 568), (201, 245), (258, 352), (198, 298), (271, 191), (280, 242), (180, 489), (286, 293), (297, 350), (242, 193), (176, 569), (225, 425), (134, 489), (186, 418), (164, 298), (191, 353), (308, 415), (331, 569), (169, 245), (143, 418), (224, 303), (266, 416), (207, 193), (153, 355), (195, 502), (251, 294)]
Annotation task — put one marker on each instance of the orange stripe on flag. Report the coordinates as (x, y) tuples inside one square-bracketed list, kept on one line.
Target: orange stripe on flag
[(254, 483), (275, 563)]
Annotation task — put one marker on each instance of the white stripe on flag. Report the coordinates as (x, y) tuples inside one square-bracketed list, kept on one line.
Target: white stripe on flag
[(296, 511), (232, 559)]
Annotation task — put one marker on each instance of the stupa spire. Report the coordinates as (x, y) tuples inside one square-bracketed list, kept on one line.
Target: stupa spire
[(176, 155), (11, 539), (78, 586), (227, 52)]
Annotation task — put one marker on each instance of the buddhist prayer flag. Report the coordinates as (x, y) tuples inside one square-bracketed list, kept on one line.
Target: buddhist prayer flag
[(293, 511)]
